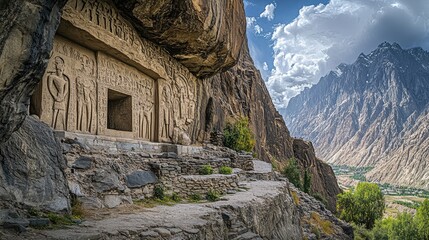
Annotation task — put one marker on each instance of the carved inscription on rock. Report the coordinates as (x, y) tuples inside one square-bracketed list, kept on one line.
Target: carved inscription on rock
[(68, 88), (116, 75), (93, 92)]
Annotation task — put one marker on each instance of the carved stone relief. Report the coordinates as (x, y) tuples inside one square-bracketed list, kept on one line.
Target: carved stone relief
[(92, 92)]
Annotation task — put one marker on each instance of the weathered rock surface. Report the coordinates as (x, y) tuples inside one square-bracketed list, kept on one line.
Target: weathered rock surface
[(140, 178), (322, 174), (241, 91), (27, 31), (371, 113), (32, 169), (205, 36), (268, 210)]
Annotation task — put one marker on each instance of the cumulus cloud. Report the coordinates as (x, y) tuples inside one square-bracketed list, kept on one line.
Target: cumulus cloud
[(258, 29), (324, 36), (265, 66), (251, 24), (250, 21), (268, 12)]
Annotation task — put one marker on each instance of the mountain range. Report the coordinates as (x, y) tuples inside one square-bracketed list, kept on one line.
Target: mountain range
[(373, 112)]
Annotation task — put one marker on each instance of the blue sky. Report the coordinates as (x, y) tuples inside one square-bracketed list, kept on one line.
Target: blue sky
[(295, 42)]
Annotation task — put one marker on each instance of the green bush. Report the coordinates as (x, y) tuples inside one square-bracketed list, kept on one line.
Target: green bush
[(158, 192), (206, 170), (363, 205), (225, 170), (212, 196), (422, 220), (307, 182), (238, 136), (175, 197), (292, 172), (196, 197)]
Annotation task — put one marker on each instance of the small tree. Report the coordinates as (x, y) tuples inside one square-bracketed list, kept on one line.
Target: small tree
[(238, 136), (403, 227), (291, 171), (307, 182), (363, 205), (422, 220)]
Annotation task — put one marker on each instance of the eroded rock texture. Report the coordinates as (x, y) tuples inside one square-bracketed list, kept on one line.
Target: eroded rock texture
[(371, 113), (323, 179), (27, 31), (241, 91), (205, 36), (32, 169)]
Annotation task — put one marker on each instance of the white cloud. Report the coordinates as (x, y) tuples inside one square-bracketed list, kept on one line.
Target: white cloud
[(324, 36), (265, 66), (268, 12), (248, 3), (250, 21), (258, 29)]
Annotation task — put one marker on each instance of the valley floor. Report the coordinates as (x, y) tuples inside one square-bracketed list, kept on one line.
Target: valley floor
[(398, 199)]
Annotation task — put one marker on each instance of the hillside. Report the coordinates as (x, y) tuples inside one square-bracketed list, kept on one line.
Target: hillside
[(371, 113)]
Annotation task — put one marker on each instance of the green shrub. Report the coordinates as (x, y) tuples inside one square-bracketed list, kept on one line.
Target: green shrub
[(238, 136), (176, 198), (206, 170), (212, 196), (225, 170), (422, 219), (307, 182), (158, 192), (196, 197), (292, 172), (363, 205), (320, 198)]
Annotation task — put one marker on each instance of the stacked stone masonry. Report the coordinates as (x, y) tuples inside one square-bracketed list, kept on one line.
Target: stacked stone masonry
[(101, 179)]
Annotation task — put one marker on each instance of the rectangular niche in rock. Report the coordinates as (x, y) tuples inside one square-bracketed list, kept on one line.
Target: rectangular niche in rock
[(119, 111)]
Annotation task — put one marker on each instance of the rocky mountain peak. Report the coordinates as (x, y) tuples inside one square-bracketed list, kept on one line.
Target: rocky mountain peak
[(363, 113)]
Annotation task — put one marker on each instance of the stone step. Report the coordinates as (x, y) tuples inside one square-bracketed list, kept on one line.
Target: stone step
[(187, 185)]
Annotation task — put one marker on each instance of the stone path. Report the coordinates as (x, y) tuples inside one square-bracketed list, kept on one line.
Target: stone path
[(181, 221)]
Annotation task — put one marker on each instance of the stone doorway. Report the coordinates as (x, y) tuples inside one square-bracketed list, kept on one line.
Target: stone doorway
[(119, 111)]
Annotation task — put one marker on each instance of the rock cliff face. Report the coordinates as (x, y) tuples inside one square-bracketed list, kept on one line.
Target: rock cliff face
[(241, 91), (205, 36), (27, 31), (371, 113), (32, 169)]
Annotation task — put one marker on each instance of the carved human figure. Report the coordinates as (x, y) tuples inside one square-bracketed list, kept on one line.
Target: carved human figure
[(58, 85), (145, 118), (165, 113), (85, 102)]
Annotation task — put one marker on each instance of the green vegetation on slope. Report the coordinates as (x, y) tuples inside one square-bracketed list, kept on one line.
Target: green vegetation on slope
[(238, 136)]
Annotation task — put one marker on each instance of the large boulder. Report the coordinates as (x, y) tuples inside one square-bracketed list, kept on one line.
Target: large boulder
[(32, 169), (204, 35), (27, 32)]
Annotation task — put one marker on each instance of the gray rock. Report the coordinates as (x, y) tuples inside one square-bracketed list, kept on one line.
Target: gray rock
[(105, 181), (169, 155), (32, 169), (112, 201), (83, 162), (39, 222), (91, 202), (74, 188), (24, 50), (140, 178), (163, 232), (17, 224), (146, 234)]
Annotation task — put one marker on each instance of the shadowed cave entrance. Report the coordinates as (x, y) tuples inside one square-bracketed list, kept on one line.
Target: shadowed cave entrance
[(119, 111)]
